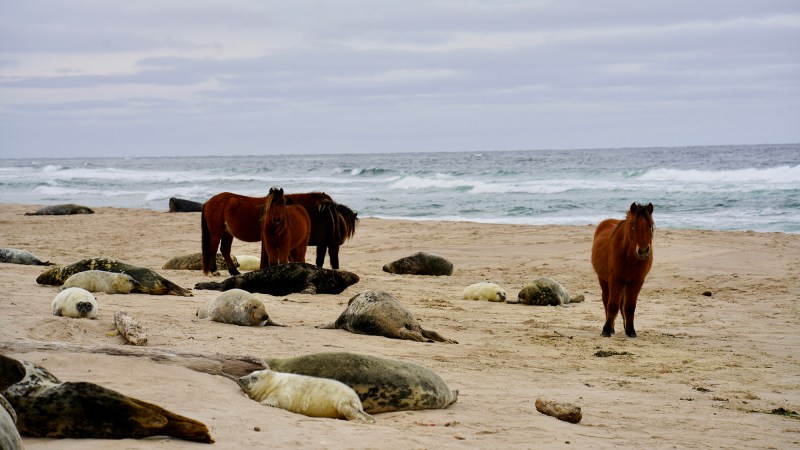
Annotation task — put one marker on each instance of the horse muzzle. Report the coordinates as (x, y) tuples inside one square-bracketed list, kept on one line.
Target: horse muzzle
[(643, 253)]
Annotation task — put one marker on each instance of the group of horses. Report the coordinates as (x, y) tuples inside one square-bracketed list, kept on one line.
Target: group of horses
[(285, 224)]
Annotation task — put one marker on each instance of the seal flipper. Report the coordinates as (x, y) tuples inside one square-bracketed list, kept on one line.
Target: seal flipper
[(354, 412)]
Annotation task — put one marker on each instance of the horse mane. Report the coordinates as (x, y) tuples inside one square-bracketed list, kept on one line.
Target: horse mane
[(268, 200)]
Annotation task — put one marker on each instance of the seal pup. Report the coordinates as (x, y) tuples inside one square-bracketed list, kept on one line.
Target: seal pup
[(17, 256), (237, 307), (150, 281), (420, 263), (379, 313), (49, 408), (76, 303), (182, 205), (288, 278), (484, 291), (102, 281), (194, 261), (248, 262), (382, 384), (302, 394), (61, 210), (545, 291)]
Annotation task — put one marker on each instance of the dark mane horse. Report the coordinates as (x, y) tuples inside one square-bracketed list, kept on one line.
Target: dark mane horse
[(284, 230), (622, 254), (331, 225), (227, 215)]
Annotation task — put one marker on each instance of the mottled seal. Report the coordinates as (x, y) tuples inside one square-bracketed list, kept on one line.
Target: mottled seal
[(102, 281), (9, 435), (485, 291), (76, 303), (545, 291), (151, 282), (382, 384), (379, 313), (182, 205), (194, 261), (48, 408), (61, 210), (17, 256), (285, 279), (236, 307), (420, 263), (310, 396), (247, 262)]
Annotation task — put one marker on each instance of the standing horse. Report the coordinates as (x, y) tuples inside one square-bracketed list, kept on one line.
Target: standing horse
[(284, 231), (622, 254), (331, 225), (227, 215)]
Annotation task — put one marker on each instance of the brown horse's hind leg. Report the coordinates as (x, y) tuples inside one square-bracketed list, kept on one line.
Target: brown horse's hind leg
[(628, 308), (333, 256), (608, 328), (321, 249), (225, 249), (612, 308)]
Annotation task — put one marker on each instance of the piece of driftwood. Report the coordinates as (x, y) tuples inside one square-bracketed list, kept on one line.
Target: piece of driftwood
[(129, 328), (229, 366), (561, 411)]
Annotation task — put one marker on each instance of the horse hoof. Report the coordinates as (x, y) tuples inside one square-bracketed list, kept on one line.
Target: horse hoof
[(234, 272), (631, 335), (605, 334)]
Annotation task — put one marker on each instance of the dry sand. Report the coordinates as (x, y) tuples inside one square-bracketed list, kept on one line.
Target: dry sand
[(705, 371)]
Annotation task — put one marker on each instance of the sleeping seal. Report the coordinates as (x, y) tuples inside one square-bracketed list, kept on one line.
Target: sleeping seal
[(420, 263), (61, 210), (48, 408), (484, 291), (150, 281), (545, 291), (194, 261), (379, 313), (236, 307), (285, 279), (181, 205), (382, 384), (102, 281), (17, 256), (76, 303), (310, 396)]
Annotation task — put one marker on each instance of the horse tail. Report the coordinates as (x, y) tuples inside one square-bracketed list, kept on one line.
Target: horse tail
[(205, 234), (344, 222)]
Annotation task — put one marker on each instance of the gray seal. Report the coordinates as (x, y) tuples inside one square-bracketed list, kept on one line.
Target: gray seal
[(9, 435), (288, 278), (49, 408), (545, 291), (150, 281), (236, 307), (182, 205), (17, 256), (382, 384), (379, 313), (194, 261), (102, 281), (420, 263), (61, 210)]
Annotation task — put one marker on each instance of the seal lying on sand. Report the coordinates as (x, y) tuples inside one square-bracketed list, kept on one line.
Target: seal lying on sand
[(420, 263), (285, 279), (9, 436), (76, 303), (545, 291), (150, 281), (236, 307), (48, 408), (310, 396), (382, 384), (102, 281), (379, 313), (181, 205), (61, 210), (484, 291), (194, 261), (247, 262), (17, 256)]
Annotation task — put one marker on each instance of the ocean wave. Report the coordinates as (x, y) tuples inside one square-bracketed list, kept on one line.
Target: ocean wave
[(769, 176)]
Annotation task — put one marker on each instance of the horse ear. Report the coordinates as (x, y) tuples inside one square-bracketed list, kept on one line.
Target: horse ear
[(281, 190), (649, 208), (634, 208)]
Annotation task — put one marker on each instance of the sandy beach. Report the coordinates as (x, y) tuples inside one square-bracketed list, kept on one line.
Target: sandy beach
[(704, 372)]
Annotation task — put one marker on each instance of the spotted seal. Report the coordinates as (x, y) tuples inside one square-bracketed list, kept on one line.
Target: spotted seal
[(194, 261), (76, 303), (382, 384), (150, 281), (9, 436), (237, 307), (17, 256), (545, 291), (49, 408), (302, 394), (379, 313), (102, 281), (420, 263), (61, 210), (484, 291), (181, 205), (285, 279)]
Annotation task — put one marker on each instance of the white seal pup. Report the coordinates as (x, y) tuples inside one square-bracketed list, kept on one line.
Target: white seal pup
[(102, 281), (248, 262), (75, 302), (310, 396), (485, 291), (238, 307)]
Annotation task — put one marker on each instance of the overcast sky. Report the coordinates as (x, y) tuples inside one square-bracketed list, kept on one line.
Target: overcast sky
[(203, 77)]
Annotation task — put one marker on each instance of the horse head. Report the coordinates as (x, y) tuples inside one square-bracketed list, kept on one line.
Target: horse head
[(641, 229), (274, 207)]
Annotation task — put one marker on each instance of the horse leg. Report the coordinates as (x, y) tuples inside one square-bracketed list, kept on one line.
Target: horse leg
[(604, 293), (225, 249), (321, 249), (333, 255), (611, 299), (631, 294), (210, 257)]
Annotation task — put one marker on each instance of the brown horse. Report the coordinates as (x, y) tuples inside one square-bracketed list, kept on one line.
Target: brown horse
[(331, 225), (622, 254), (284, 231), (227, 215)]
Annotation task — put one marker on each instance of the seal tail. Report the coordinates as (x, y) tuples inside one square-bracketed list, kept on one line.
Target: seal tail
[(210, 285)]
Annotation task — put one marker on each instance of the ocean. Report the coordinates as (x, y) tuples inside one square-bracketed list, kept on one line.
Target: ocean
[(753, 187)]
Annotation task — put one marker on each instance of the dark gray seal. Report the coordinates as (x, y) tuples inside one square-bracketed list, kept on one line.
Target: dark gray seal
[(9, 435), (48, 408), (61, 210), (181, 205), (382, 384), (285, 279), (379, 313), (237, 307), (150, 282), (545, 291), (420, 263), (194, 261), (17, 256)]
